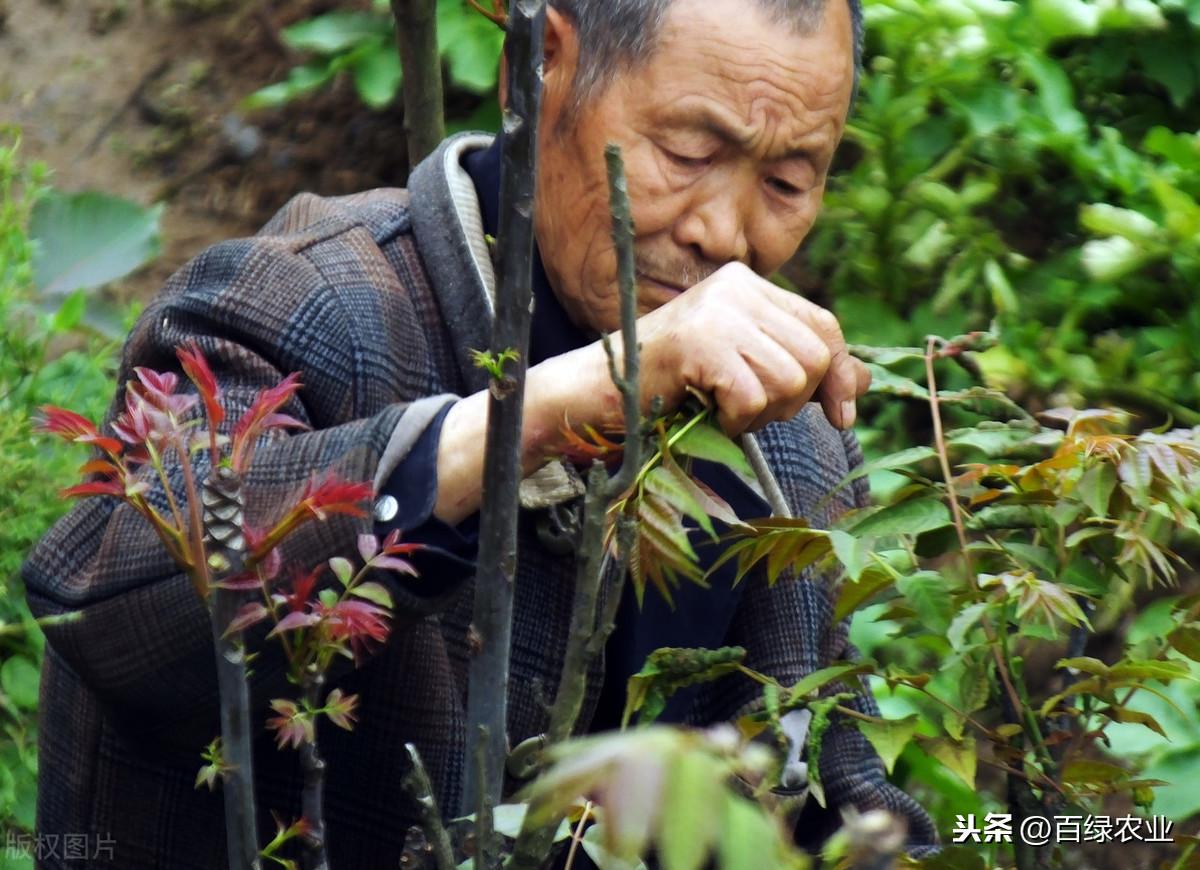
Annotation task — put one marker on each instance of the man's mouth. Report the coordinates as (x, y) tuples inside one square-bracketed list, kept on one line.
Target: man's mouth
[(658, 282)]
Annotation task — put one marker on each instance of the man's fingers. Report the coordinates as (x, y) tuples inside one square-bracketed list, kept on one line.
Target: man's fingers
[(864, 377), (739, 394), (840, 386)]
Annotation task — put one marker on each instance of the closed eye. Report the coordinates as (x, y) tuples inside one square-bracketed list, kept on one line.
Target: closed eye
[(785, 188), (685, 160)]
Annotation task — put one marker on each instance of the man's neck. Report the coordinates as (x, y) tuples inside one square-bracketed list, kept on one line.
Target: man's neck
[(552, 332)]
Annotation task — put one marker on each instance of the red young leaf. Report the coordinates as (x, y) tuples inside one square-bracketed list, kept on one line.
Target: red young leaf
[(158, 388), (302, 587), (259, 416), (294, 621), (249, 614), (293, 726), (391, 563), (98, 487), (393, 547), (243, 582), (196, 367), (65, 424), (358, 622), (332, 495), (73, 427), (368, 546), (341, 709)]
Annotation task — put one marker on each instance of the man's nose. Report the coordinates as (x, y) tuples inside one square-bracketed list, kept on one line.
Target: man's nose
[(714, 227)]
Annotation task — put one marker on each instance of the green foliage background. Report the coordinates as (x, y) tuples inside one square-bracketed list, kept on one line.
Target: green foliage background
[(1031, 165)]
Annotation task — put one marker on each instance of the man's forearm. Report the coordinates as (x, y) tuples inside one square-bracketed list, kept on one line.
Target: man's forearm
[(574, 387)]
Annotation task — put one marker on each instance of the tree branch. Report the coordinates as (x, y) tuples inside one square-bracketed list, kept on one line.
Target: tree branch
[(534, 843), (417, 42), (487, 699), (218, 510)]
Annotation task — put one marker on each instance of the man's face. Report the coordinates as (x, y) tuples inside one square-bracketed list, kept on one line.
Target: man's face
[(727, 133)]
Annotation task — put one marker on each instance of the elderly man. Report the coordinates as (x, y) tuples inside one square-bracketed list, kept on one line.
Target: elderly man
[(728, 113)]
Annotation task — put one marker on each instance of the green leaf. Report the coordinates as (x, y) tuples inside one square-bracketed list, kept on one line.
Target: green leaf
[(19, 678), (911, 517), (1064, 19), (745, 831), (1136, 717), (593, 844), (670, 669), (705, 441), (376, 593), (885, 356), (1079, 771), (900, 459), (1054, 87), (888, 383), (819, 679), (1186, 640), (86, 240), (890, 736), (688, 812), (342, 569), (963, 622), (377, 75), (854, 553), (301, 80), (853, 594), (959, 758), (926, 592), (669, 483), (1096, 487), (336, 32), (70, 313), (1108, 220), (471, 45), (1112, 258)]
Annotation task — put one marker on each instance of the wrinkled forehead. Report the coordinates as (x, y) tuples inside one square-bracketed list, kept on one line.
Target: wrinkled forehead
[(759, 69)]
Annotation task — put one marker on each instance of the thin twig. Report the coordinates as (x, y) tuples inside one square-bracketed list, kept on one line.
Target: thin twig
[(314, 856), (577, 836), (416, 785), (766, 478), (534, 842)]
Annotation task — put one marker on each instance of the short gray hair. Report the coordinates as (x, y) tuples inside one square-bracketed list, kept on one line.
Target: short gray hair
[(616, 32)]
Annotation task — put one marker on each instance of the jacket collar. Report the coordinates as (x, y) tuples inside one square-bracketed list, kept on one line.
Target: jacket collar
[(448, 227)]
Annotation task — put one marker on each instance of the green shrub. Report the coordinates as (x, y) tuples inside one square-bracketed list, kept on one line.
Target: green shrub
[(1035, 163), (54, 349)]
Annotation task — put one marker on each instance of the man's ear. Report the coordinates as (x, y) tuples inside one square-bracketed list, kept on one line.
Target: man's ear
[(560, 62)]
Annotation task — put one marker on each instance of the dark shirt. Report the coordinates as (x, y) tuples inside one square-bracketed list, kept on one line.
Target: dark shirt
[(700, 617)]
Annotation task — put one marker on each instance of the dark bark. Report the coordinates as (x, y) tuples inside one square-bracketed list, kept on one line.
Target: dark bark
[(221, 497), (418, 787), (586, 636), (492, 619), (312, 797), (417, 42)]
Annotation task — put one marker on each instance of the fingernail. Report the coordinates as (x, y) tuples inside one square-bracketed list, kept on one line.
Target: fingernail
[(849, 414)]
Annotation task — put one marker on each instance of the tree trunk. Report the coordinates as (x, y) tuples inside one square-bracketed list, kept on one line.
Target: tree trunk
[(492, 620), (417, 41), (225, 547)]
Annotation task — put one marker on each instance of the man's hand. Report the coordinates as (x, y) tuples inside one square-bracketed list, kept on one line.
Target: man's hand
[(761, 352)]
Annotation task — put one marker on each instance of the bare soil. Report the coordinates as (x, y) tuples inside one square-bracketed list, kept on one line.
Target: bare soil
[(141, 98)]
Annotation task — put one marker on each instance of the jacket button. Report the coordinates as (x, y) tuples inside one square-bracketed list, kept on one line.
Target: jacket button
[(386, 508)]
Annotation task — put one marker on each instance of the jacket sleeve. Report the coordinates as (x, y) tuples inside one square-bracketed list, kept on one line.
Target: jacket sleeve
[(788, 629), (326, 303)]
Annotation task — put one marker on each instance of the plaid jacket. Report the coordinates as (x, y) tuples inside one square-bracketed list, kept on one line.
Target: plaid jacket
[(375, 299)]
